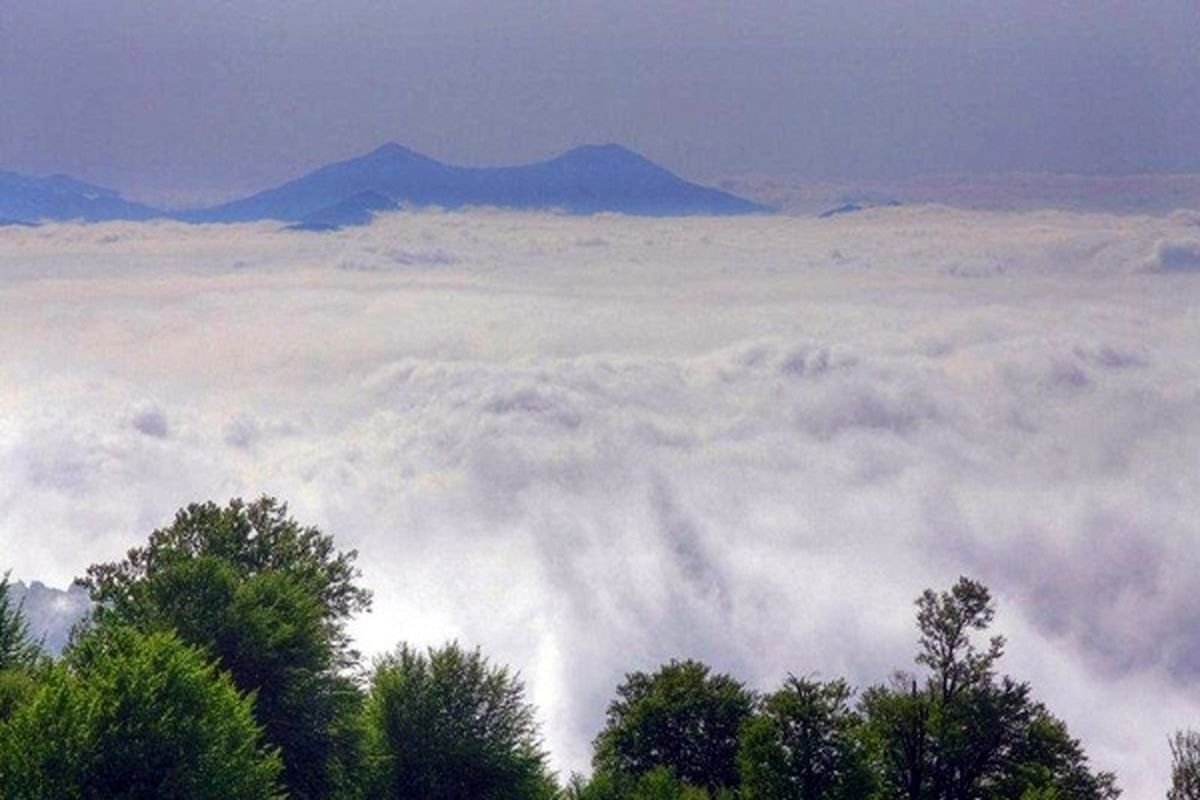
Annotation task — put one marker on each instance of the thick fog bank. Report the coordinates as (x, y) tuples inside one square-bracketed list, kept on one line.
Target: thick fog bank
[(590, 444)]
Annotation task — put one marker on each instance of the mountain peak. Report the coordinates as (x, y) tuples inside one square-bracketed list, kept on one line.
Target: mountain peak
[(394, 151), (61, 197), (605, 153)]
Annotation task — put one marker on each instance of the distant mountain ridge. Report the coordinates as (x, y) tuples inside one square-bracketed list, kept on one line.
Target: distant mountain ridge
[(25, 199), (585, 180)]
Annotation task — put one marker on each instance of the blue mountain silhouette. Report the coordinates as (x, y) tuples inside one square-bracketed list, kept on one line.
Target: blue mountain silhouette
[(59, 197), (586, 180), (357, 210)]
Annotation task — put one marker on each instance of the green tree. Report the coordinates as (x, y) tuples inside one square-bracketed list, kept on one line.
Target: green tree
[(136, 717), (945, 622), (950, 738), (599, 786), (20, 655), (1047, 762), (270, 600), (683, 718), (447, 725), (657, 784), (963, 732), (803, 744), (899, 734), (1185, 766), (662, 784), (16, 687), (18, 649)]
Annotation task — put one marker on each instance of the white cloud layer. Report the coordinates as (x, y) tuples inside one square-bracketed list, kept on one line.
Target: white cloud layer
[(591, 444)]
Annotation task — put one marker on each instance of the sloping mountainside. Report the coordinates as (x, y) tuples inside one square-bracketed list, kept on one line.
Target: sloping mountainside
[(60, 198), (357, 210), (585, 180)]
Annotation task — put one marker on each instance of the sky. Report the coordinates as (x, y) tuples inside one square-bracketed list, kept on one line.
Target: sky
[(185, 101), (592, 444)]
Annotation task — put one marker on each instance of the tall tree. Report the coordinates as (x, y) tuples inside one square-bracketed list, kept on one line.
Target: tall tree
[(18, 649), (138, 717), (1185, 766), (682, 717), (899, 734), (447, 725), (965, 733), (803, 744), (945, 622), (269, 599)]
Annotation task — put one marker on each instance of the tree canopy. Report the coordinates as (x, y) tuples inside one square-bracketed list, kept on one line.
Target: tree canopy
[(269, 599), (682, 717), (803, 743), (963, 732), (445, 724), (135, 716), (217, 664)]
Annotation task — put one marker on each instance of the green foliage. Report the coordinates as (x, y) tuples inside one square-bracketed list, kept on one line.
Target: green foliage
[(1185, 766), (18, 650), (136, 717), (963, 732), (945, 622), (899, 734), (447, 725), (247, 539), (269, 599), (1047, 762), (661, 784), (217, 665), (682, 718), (16, 687), (600, 786), (804, 744)]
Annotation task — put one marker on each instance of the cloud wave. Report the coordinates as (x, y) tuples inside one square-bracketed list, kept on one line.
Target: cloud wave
[(592, 444)]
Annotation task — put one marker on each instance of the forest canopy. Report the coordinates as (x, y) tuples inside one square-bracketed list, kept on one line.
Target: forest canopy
[(216, 664)]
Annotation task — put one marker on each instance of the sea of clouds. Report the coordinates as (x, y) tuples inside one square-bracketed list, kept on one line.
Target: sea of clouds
[(591, 444)]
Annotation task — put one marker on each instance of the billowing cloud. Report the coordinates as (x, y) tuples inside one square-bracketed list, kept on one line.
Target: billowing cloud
[(592, 444)]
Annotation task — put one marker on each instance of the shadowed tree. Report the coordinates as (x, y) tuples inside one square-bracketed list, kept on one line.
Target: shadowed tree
[(447, 725), (1185, 766), (269, 599), (898, 732), (683, 718)]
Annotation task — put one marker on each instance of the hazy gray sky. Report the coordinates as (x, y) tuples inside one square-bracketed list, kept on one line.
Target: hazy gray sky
[(216, 96)]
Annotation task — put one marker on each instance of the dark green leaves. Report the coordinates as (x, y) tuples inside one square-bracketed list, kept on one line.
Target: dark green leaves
[(269, 600), (136, 717), (681, 717), (804, 744), (18, 650), (447, 725)]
